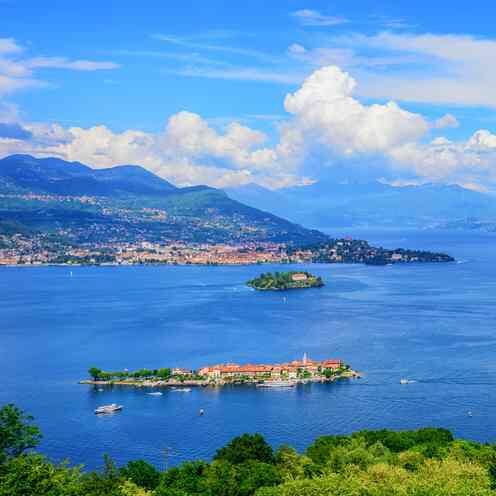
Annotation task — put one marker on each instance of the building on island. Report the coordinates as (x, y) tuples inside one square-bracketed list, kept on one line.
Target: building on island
[(291, 370), (180, 371), (300, 276)]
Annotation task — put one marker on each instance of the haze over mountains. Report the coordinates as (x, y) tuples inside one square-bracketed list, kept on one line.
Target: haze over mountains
[(329, 204)]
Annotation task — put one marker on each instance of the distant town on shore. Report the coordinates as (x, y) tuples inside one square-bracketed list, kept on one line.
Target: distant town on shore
[(65, 213), (294, 372)]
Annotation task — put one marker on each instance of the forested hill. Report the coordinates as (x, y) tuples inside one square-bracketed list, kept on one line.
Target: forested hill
[(128, 203), (424, 462)]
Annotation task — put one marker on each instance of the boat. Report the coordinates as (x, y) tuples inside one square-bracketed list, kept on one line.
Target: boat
[(181, 389), (406, 381), (276, 384), (155, 393), (201, 412), (108, 408)]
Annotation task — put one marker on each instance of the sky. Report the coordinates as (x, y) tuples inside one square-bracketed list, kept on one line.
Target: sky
[(280, 94)]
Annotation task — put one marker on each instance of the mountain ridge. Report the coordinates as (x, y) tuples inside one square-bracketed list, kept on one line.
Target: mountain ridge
[(332, 204), (132, 201)]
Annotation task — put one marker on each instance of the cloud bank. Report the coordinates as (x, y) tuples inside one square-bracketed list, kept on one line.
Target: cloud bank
[(326, 127)]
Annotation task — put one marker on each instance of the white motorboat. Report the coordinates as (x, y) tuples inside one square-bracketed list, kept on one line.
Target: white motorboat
[(276, 384), (108, 408), (155, 393)]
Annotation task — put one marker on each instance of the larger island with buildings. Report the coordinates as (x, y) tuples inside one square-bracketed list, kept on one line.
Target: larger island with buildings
[(288, 374)]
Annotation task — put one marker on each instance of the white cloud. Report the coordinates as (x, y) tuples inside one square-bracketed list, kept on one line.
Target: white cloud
[(64, 63), (309, 17), (434, 68), (446, 120), (17, 70), (326, 127), (9, 45), (325, 111), (225, 48), (238, 74)]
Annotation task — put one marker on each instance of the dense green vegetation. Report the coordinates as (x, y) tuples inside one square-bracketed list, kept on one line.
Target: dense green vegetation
[(278, 281), (425, 462), (98, 374)]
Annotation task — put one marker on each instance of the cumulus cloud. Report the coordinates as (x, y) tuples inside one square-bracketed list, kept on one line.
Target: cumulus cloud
[(326, 111), (327, 127)]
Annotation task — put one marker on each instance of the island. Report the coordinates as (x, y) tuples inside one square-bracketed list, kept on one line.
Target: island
[(281, 281), (266, 375)]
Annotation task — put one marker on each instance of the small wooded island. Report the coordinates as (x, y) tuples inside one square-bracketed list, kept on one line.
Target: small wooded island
[(280, 281)]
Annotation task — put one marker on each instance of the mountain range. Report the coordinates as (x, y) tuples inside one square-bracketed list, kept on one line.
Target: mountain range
[(328, 204), (128, 203)]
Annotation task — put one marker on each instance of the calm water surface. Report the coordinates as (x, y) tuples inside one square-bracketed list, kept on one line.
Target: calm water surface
[(431, 323)]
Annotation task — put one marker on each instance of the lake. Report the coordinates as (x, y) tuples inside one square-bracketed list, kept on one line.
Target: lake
[(432, 323)]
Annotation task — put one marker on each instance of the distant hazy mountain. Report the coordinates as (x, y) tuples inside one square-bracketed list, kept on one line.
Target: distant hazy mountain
[(130, 203), (327, 204)]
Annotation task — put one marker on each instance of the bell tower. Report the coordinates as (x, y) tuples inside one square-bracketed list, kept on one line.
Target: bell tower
[(305, 358)]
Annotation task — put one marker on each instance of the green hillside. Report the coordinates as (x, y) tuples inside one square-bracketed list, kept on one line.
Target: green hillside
[(423, 462)]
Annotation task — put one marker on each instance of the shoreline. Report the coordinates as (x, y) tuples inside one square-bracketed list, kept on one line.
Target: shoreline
[(154, 264), (350, 374)]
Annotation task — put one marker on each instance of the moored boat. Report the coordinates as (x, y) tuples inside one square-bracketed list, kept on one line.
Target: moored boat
[(276, 384), (108, 408)]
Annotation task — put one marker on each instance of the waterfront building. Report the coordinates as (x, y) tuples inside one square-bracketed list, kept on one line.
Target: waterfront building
[(291, 370)]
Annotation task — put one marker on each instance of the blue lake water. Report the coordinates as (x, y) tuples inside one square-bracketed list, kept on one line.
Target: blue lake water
[(434, 323)]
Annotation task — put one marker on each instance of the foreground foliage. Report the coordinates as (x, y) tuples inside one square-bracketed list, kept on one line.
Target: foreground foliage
[(424, 462)]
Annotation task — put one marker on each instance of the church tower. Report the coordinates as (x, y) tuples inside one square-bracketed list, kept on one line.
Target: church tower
[(305, 358)]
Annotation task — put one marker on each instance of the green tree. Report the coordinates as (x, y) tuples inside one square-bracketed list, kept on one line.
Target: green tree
[(94, 373), (244, 448), (17, 434), (143, 474), (106, 483), (187, 479), (33, 475), (164, 373)]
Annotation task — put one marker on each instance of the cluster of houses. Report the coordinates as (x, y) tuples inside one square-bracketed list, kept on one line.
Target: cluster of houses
[(291, 370)]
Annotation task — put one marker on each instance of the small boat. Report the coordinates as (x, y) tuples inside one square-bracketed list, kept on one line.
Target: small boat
[(181, 389), (276, 384), (108, 408), (406, 381), (201, 412), (155, 393), (469, 413)]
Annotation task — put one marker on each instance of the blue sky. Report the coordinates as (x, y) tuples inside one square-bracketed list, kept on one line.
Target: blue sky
[(165, 81)]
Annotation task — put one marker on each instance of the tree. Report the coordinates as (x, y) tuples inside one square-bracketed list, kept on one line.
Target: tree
[(94, 372), (143, 474), (107, 483), (17, 434), (187, 479), (244, 448), (33, 475), (164, 373)]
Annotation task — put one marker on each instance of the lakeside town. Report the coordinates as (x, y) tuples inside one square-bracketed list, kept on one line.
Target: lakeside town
[(287, 374), (50, 249)]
